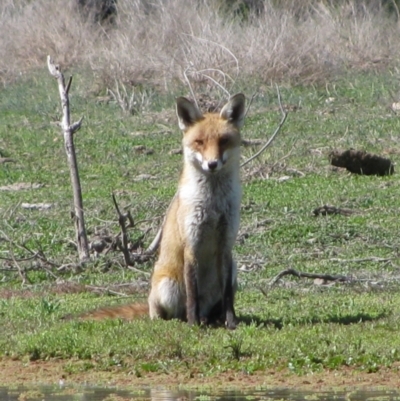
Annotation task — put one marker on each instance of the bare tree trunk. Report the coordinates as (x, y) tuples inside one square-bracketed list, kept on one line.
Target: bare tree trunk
[(68, 131)]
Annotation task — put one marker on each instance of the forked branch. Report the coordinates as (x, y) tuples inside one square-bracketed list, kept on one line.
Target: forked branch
[(68, 132), (122, 218), (126, 221)]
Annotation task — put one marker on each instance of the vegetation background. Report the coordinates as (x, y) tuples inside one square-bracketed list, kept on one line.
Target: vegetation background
[(155, 42), (336, 63)]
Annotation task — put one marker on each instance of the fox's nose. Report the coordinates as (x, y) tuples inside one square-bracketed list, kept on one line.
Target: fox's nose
[(212, 165)]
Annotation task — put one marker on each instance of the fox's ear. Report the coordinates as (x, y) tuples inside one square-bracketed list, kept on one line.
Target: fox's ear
[(234, 111), (187, 113)]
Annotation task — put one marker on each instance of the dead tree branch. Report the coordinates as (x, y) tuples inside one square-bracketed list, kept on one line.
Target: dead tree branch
[(68, 132), (4, 160), (21, 271), (293, 272), (362, 260), (284, 115), (34, 256), (105, 290), (122, 218), (350, 279), (250, 103), (327, 210), (156, 241), (152, 248), (123, 244), (194, 99)]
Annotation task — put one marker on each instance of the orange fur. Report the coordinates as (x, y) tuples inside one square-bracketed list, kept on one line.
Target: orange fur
[(126, 312)]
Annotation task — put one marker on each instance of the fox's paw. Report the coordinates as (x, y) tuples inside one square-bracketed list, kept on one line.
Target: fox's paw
[(231, 321)]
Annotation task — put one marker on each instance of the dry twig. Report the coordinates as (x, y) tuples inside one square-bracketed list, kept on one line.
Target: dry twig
[(326, 210), (152, 248), (130, 103), (106, 290), (4, 160), (35, 255), (284, 115), (122, 218), (190, 86), (293, 272), (123, 245), (362, 260), (250, 103), (69, 131)]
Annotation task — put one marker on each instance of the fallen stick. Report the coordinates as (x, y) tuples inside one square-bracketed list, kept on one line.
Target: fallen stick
[(327, 209), (293, 272)]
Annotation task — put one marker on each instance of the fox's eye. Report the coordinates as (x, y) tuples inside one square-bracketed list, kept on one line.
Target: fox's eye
[(198, 142), (223, 140)]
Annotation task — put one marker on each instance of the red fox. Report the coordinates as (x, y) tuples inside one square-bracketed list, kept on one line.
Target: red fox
[(194, 278)]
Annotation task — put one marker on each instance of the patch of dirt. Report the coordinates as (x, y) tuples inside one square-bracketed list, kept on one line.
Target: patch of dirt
[(61, 288), (66, 287), (361, 162), (143, 150), (326, 210), (4, 160), (19, 186), (52, 372)]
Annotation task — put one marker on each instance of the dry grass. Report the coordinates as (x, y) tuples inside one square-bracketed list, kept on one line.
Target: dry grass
[(157, 42)]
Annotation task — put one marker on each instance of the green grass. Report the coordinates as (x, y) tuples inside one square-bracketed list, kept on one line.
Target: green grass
[(294, 325)]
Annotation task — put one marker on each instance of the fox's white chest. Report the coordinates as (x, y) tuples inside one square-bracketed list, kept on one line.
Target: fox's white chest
[(212, 210)]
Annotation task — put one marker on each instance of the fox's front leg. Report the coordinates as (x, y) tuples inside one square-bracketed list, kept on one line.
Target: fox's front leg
[(229, 294), (192, 296)]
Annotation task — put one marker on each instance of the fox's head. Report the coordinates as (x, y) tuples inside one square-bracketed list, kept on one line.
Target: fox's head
[(211, 141)]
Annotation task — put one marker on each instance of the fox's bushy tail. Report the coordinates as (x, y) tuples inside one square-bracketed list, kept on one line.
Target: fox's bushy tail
[(125, 312)]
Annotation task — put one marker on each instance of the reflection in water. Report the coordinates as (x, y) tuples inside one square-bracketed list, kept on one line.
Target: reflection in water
[(79, 393)]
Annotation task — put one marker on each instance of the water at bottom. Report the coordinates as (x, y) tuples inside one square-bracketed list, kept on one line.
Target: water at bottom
[(82, 393)]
